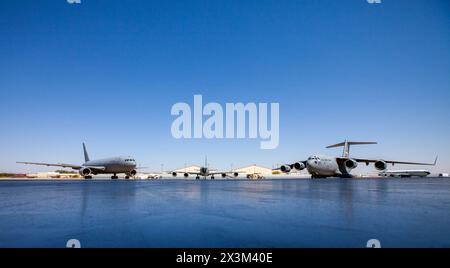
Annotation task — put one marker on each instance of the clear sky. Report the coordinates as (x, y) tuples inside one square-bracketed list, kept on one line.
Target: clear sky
[(108, 73)]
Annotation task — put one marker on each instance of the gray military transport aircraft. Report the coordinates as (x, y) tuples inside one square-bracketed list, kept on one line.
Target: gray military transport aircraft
[(112, 165), (320, 166)]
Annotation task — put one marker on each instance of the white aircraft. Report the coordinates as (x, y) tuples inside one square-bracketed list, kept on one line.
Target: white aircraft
[(112, 165), (405, 173), (324, 166), (206, 172)]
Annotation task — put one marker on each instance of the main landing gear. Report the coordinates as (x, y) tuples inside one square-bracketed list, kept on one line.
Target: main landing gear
[(212, 177), (87, 177), (197, 178), (114, 177)]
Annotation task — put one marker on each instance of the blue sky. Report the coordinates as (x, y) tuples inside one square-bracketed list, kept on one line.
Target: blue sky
[(108, 72)]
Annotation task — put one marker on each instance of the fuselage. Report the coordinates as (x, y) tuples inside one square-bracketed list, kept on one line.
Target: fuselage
[(204, 171), (120, 164), (322, 166)]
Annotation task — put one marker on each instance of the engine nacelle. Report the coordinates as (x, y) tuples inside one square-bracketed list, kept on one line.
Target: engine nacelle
[(285, 168), (351, 164), (174, 174), (235, 174), (85, 171), (133, 172), (380, 165), (299, 166), (224, 175), (186, 175)]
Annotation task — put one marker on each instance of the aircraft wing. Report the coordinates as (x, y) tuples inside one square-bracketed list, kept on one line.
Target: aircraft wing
[(394, 162), (223, 172), (188, 172), (141, 167), (52, 165), (291, 165)]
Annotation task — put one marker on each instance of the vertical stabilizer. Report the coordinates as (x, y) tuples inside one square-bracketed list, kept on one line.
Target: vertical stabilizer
[(346, 150), (86, 156)]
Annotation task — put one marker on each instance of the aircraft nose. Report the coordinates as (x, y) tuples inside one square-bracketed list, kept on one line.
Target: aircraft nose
[(311, 163)]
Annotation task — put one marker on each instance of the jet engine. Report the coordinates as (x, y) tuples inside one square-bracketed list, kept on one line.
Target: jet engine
[(133, 172), (85, 171), (285, 168), (224, 175), (380, 165), (351, 164), (174, 174), (299, 166), (235, 174), (186, 175)]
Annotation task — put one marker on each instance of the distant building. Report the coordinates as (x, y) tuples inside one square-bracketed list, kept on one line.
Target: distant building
[(192, 168), (43, 175), (254, 169)]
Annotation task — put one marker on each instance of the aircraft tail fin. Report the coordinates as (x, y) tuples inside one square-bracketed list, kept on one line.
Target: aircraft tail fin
[(346, 144), (86, 156)]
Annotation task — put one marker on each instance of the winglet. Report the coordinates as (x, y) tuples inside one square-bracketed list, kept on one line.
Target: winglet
[(435, 160), (86, 156)]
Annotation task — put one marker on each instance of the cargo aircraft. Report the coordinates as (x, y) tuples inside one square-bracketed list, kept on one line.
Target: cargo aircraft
[(320, 166)]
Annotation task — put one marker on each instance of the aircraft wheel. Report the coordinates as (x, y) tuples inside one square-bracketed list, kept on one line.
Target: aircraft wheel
[(127, 177), (197, 178), (114, 177), (212, 177), (87, 177)]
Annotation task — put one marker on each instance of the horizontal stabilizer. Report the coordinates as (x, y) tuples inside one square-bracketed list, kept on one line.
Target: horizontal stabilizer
[(351, 143), (346, 144)]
